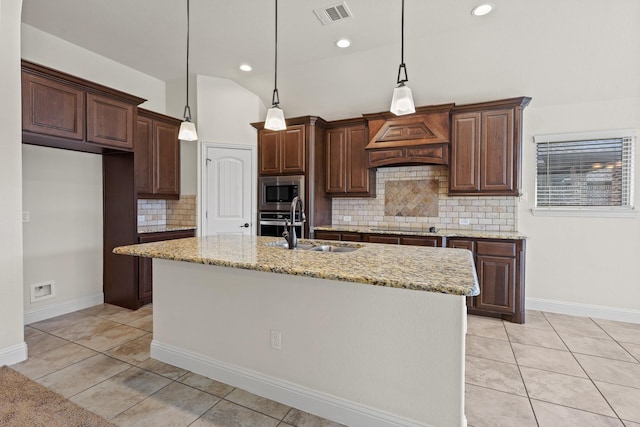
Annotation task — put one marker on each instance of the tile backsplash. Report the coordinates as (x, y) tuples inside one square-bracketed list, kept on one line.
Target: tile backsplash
[(416, 197), (175, 213)]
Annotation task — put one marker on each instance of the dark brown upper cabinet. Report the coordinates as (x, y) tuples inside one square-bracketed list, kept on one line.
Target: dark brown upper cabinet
[(486, 148), (157, 156), (414, 139), (63, 111), (347, 171), (282, 152)]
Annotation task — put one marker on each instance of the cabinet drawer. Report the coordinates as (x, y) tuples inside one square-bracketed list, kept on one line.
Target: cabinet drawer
[(375, 238), (496, 248), (421, 241)]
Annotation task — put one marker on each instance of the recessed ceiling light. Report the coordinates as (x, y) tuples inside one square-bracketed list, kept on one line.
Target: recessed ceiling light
[(246, 67), (482, 9), (342, 43)]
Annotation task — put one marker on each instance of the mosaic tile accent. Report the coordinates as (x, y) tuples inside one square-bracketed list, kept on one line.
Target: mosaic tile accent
[(411, 198), (484, 213)]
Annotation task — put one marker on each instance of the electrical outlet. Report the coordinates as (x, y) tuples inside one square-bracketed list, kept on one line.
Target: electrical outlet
[(346, 218), (463, 221), (276, 340), (26, 217)]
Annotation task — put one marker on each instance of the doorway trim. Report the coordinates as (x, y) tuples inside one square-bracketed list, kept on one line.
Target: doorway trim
[(202, 180)]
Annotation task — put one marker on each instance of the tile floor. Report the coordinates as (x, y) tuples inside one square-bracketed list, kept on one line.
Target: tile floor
[(555, 370)]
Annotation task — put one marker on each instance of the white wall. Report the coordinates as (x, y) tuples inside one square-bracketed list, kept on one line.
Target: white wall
[(581, 265), (62, 189), (225, 111), (12, 346)]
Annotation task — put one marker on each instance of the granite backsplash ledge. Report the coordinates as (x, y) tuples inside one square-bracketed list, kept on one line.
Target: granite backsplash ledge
[(416, 197)]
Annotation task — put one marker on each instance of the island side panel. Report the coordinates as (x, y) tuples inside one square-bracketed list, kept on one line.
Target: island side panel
[(399, 352)]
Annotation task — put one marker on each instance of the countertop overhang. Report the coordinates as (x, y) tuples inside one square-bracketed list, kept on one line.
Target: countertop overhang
[(441, 270)]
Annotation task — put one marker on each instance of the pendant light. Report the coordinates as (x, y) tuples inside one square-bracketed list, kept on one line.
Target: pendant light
[(402, 101), (187, 128), (275, 115)]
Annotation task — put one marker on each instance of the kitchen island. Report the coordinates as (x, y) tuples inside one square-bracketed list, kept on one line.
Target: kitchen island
[(370, 337)]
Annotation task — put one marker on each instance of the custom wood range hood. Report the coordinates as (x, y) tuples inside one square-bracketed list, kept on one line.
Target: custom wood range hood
[(419, 138)]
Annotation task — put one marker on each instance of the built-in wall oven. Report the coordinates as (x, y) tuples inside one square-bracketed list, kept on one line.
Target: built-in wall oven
[(274, 204), (274, 224), (277, 192)]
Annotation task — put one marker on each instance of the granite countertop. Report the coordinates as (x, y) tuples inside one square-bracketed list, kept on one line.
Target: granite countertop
[(164, 228), (442, 270), (449, 232)]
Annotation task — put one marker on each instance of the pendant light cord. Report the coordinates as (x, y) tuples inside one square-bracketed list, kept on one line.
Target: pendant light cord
[(401, 36), (187, 109), (275, 99), (402, 68)]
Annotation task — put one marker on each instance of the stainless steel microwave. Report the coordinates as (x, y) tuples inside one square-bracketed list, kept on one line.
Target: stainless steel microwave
[(277, 192)]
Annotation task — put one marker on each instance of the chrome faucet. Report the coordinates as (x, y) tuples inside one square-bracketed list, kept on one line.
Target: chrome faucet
[(290, 234)]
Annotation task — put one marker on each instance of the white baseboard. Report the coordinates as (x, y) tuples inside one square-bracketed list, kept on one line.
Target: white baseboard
[(585, 310), (62, 308), (14, 354), (340, 410)]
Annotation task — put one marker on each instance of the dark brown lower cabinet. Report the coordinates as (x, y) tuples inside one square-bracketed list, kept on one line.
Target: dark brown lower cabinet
[(145, 272), (338, 235), (500, 269), (499, 265)]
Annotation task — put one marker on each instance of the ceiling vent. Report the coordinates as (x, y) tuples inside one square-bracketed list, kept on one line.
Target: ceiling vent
[(331, 14)]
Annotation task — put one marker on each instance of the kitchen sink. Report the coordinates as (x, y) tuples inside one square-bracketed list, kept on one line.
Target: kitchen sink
[(315, 247)]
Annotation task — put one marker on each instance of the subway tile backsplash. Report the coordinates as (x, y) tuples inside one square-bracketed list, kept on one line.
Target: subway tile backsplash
[(416, 197)]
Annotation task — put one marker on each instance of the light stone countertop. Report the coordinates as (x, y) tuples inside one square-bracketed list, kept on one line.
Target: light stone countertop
[(445, 232), (442, 270)]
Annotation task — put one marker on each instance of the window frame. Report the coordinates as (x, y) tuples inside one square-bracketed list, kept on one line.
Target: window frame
[(626, 211)]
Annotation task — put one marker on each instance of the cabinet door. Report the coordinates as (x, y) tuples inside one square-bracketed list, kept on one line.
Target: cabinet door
[(110, 122), (145, 281), (293, 153), (497, 277), (327, 235), (421, 241), (52, 108), (464, 170), (336, 166), (166, 157), (497, 152), (269, 150), (143, 155), (357, 172)]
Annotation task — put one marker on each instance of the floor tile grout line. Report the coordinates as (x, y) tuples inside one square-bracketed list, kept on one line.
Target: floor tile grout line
[(587, 373), (524, 384)]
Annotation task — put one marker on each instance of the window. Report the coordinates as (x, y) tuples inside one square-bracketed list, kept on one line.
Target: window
[(587, 171)]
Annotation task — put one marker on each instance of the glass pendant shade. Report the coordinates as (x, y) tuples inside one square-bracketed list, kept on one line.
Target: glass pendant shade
[(402, 101), (187, 131), (275, 119)]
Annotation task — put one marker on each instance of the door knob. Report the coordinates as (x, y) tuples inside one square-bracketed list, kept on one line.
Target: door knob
[(246, 225)]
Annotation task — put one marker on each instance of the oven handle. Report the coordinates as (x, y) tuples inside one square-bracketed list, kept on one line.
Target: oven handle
[(283, 223)]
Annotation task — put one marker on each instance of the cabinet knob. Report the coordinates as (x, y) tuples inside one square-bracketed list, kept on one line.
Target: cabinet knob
[(246, 225)]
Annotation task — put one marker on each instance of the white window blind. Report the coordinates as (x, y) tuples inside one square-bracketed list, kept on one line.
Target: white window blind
[(585, 171)]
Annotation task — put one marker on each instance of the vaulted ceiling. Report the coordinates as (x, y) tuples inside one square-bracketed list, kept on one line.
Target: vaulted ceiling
[(568, 51)]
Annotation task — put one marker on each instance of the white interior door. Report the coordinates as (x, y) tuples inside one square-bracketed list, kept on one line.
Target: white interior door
[(229, 190)]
